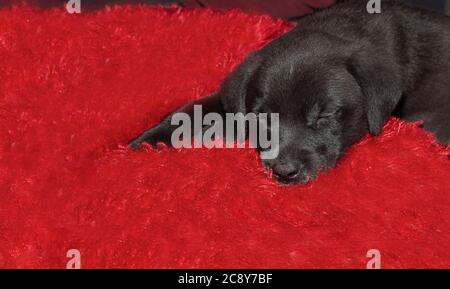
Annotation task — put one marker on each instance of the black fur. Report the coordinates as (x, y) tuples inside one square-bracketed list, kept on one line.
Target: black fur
[(341, 73)]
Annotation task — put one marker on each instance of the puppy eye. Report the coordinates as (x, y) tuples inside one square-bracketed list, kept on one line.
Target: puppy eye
[(322, 119), (325, 116), (318, 115)]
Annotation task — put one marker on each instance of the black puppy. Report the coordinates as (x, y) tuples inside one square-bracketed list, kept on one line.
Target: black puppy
[(340, 73)]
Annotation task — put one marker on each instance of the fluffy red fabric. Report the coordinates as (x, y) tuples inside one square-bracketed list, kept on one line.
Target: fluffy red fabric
[(75, 88)]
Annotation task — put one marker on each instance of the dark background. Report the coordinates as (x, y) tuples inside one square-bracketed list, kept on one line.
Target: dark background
[(277, 8)]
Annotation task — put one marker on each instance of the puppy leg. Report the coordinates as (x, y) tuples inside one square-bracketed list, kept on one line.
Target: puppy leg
[(162, 132)]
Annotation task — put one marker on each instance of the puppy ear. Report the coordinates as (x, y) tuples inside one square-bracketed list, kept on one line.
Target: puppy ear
[(380, 81), (234, 91)]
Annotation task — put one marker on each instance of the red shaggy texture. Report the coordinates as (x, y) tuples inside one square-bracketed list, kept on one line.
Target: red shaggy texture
[(75, 88)]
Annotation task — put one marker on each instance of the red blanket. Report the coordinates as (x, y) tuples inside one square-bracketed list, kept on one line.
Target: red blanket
[(74, 88)]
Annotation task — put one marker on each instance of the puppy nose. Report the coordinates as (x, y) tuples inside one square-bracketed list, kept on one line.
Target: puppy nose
[(285, 172)]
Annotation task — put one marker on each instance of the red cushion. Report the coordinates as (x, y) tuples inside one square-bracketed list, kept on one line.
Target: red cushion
[(75, 88)]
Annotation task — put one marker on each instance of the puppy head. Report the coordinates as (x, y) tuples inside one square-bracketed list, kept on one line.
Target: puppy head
[(321, 113), (325, 103)]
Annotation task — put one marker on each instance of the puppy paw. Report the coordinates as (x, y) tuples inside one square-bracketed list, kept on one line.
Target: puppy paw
[(134, 144), (152, 136)]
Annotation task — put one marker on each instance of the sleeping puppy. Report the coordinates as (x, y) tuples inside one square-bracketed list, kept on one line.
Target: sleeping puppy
[(340, 74)]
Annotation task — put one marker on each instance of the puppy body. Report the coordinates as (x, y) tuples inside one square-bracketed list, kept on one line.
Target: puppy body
[(340, 74), (416, 45), (407, 50)]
